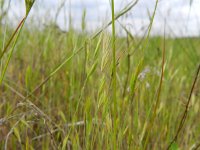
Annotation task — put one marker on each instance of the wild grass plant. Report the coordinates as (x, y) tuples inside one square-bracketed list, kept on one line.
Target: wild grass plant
[(71, 90)]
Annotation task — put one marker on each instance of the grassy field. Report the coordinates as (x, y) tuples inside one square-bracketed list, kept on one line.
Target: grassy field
[(66, 90)]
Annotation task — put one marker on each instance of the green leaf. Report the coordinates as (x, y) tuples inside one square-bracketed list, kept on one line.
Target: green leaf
[(28, 77), (16, 133), (27, 143), (83, 24), (174, 146), (92, 69), (97, 47), (62, 116), (29, 4), (64, 145)]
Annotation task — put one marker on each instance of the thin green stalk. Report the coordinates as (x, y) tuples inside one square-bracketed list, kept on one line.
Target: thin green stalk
[(128, 65), (11, 38), (114, 97), (113, 55), (52, 73), (12, 49)]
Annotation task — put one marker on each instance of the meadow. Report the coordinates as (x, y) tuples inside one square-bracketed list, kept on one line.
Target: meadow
[(74, 90)]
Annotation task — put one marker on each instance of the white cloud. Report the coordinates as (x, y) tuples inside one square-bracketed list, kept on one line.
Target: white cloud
[(182, 20)]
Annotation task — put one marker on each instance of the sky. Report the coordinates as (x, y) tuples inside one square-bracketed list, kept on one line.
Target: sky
[(179, 17)]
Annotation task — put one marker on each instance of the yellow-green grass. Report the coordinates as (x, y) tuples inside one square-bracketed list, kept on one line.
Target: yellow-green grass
[(60, 88)]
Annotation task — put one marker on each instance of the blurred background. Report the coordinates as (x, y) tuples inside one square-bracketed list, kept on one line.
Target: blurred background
[(182, 16)]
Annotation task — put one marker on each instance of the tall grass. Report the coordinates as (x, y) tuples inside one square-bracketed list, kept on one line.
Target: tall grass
[(79, 91)]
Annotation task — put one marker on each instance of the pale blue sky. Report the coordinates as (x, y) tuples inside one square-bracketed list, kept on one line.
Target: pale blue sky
[(182, 20)]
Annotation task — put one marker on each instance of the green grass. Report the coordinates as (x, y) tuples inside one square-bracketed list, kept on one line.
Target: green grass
[(71, 90)]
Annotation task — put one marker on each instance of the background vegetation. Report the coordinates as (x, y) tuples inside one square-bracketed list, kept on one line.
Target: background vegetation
[(74, 90)]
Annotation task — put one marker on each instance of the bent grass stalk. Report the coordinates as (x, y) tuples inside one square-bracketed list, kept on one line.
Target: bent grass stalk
[(11, 38), (12, 48), (29, 4)]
